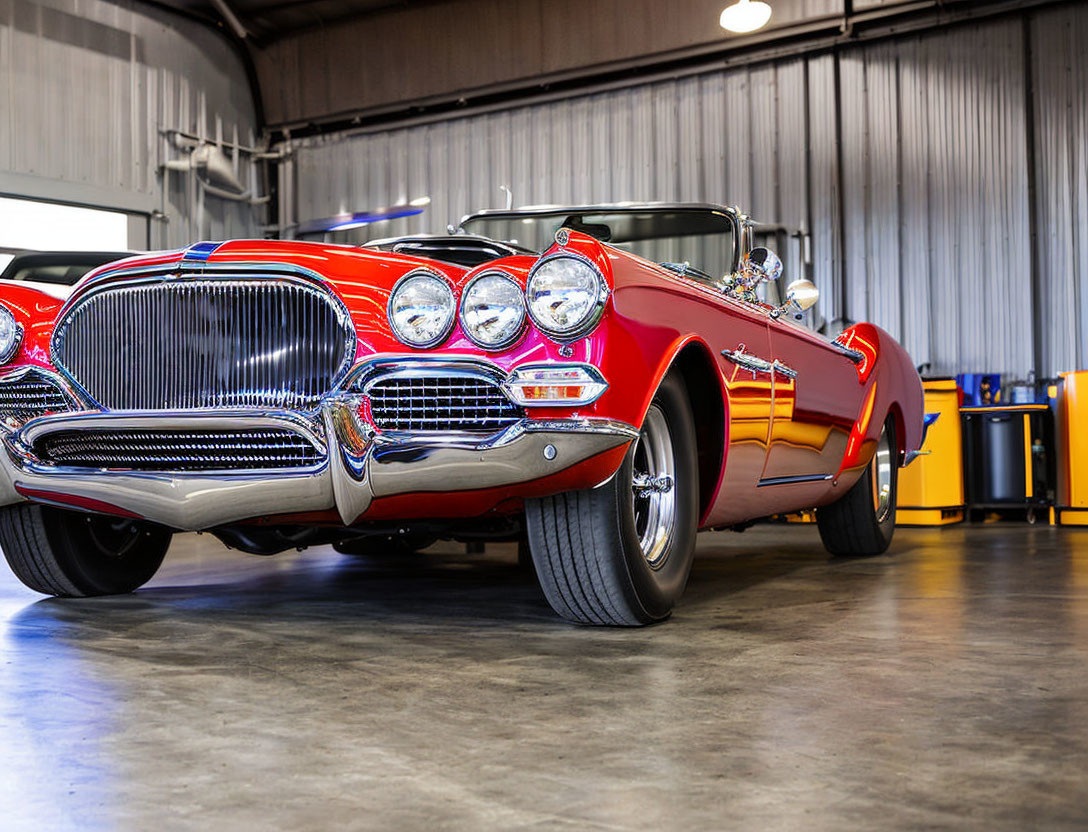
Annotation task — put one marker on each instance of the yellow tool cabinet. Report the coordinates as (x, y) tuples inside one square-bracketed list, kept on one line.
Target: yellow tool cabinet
[(931, 487), (1072, 502)]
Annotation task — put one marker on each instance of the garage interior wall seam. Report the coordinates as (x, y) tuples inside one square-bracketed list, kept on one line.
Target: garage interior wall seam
[(935, 241)]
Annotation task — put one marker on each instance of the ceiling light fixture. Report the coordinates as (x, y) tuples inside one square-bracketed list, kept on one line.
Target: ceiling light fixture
[(745, 16)]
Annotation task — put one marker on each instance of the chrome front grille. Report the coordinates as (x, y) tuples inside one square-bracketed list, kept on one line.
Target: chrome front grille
[(29, 395), (175, 344), (178, 450), (440, 403)]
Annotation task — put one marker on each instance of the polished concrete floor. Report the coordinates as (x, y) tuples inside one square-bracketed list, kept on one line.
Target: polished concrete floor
[(945, 684)]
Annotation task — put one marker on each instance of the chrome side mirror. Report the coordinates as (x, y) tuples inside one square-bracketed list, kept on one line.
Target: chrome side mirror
[(762, 264), (800, 295)]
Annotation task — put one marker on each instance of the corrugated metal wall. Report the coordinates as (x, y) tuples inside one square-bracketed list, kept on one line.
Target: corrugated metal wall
[(85, 88), (934, 238), (935, 183), (693, 139), (1060, 73)]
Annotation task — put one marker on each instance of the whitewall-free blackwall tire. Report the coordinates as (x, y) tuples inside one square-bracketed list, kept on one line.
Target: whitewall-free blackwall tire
[(620, 554), (863, 521), (74, 554)]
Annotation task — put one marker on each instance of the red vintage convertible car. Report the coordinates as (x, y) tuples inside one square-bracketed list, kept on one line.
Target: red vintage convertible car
[(602, 381)]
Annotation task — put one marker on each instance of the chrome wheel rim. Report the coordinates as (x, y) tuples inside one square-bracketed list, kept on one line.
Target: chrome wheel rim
[(880, 471), (653, 493)]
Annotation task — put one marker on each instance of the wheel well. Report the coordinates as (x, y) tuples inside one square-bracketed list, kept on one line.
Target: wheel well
[(900, 430), (697, 368)]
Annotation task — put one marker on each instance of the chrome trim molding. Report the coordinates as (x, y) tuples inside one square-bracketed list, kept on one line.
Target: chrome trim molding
[(796, 480), (781, 369), (594, 377), (366, 372), (34, 431), (200, 252), (848, 352), (749, 362), (927, 420), (358, 465)]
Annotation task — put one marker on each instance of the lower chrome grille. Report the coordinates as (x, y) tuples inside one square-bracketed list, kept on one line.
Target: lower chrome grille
[(440, 403), (30, 395), (168, 450)]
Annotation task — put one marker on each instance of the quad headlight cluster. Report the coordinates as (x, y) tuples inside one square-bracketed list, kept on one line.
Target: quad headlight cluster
[(564, 297)]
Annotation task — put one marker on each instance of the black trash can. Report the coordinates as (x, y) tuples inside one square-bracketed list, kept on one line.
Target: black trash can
[(1007, 456)]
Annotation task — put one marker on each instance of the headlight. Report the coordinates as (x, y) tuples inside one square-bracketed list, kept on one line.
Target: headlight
[(421, 309), (566, 296), (492, 310), (10, 335)]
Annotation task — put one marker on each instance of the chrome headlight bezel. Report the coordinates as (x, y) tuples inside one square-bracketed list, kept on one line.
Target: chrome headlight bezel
[(593, 317), (466, 294), (8, 350), (452, 317), (562, 379)]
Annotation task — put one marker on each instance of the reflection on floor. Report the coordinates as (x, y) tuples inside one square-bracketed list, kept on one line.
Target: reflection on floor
[(944, 683)]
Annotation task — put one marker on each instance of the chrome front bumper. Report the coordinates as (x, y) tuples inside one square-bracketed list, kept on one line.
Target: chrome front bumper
[(358, 465)]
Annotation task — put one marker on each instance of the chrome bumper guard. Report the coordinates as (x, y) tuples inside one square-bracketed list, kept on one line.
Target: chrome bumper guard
[(357, 464)]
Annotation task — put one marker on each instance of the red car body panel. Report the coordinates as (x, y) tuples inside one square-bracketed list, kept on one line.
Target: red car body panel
[(790, 441)]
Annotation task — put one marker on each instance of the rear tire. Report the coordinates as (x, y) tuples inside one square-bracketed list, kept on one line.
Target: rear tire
[(72, 554), (620, 554), (862, 523)]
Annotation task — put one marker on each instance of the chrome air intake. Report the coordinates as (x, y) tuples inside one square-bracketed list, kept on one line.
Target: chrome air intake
[(180, 342), (440, 403), (178, 450), (27, 395)]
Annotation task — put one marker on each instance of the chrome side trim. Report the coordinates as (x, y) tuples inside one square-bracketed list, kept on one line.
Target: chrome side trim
[(794, 480), (781, 369), (747, 361), (848, 352)]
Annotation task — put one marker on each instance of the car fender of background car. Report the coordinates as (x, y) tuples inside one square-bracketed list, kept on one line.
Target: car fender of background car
[(594, 402)]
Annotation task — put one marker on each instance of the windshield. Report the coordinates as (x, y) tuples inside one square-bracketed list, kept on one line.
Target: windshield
[(699, 237)]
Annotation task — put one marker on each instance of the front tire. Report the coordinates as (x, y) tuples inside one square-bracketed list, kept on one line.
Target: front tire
[(862, 523), (620, 554), (72, 554)]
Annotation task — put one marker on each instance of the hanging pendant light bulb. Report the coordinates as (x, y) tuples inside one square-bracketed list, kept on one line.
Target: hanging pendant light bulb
[(745, 16)]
